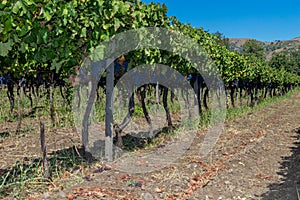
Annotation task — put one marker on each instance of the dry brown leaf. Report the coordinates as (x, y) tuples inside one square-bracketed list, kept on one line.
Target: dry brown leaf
[(69, 196), (65, 175), (158, 190)]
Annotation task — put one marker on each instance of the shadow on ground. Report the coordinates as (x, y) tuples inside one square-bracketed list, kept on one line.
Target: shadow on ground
[(131, 142), (289, 187)]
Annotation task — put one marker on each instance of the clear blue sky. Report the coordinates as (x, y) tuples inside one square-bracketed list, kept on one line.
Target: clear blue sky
[(266, 20)]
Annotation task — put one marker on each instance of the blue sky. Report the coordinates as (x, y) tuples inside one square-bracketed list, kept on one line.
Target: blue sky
[(266, 20)]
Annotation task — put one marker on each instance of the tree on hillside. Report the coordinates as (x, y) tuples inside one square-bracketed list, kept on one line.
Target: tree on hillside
[(295, 60), (254, 48), (222, 40), (288, 61), (280, 60)]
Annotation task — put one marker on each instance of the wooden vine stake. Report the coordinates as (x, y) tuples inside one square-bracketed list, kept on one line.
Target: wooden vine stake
[(19, 111), (44, 151), (109, 108)]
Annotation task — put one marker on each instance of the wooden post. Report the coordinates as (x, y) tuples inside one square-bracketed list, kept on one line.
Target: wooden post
[(19, 91), (197, 100), (109, 109), (44, 152), (157, 94)]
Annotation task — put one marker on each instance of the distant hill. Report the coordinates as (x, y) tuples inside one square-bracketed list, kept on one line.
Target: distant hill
[(271, 47), (237, 43)]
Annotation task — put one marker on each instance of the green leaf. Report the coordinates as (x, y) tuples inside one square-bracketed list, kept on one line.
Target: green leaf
[(23, 47), (65, 11), (115, 9), (104, 37), (124, 8), (117, 23), (83, 32), (46, 15), (39, 38), (23, 31), (8, 24), (17, 7), (5, 48), (29, 2), (45, 37), (4, 2), (48, 54), (56, 65), (98, 53)]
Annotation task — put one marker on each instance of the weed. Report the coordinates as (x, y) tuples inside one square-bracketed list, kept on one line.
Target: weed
[(28, 175)]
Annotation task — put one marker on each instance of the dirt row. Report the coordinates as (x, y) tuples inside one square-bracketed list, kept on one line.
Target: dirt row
[(256, 157)]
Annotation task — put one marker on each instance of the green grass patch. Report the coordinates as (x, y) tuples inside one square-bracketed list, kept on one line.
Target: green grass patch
[(41, 107), (26, 178), (233, 113)]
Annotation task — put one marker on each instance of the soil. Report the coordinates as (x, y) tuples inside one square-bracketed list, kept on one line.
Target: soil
[(257, 156)]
